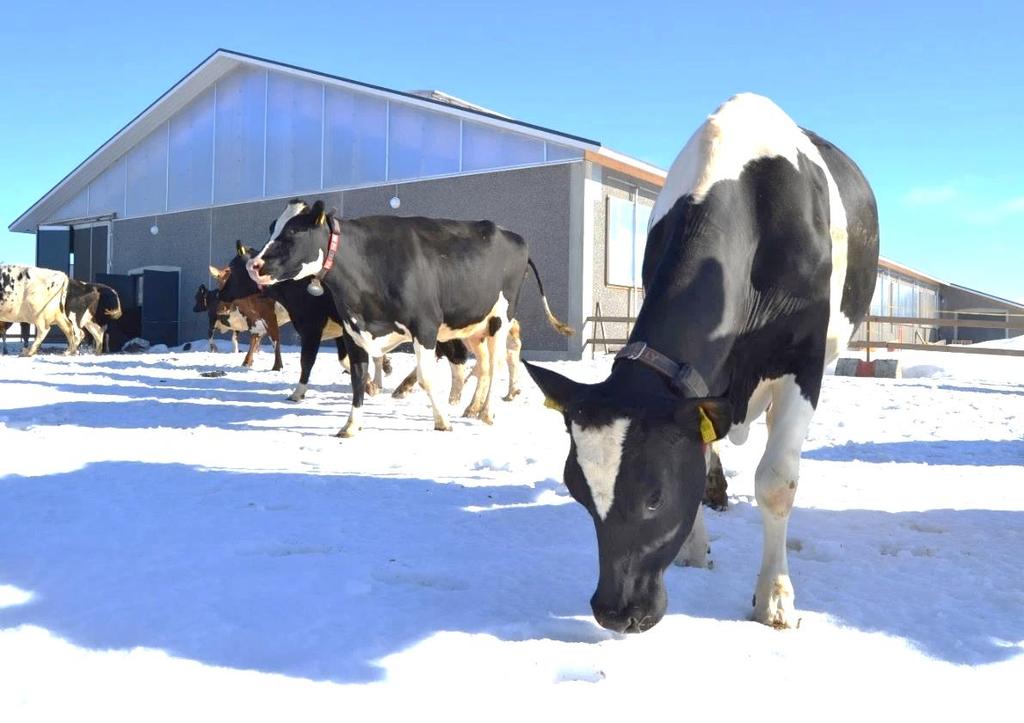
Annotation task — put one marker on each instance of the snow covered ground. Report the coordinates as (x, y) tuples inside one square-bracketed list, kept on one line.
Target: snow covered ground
[(182, 548)]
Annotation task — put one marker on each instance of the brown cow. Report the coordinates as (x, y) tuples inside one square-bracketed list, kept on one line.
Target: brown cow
[(263, 317)]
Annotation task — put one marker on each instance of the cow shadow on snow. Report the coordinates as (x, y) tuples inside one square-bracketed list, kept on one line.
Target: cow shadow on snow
[(311, 576), (948, 581), (974, 453), (325, 576)]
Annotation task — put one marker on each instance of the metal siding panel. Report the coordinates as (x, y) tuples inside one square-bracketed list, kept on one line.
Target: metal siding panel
[(239, 136), (294, 127), (146, 187), (190, 155)]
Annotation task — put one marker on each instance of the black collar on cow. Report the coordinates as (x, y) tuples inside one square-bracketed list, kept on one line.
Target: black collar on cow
[(316, 287), (683, 378)]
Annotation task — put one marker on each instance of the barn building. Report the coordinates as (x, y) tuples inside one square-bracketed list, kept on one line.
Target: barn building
[(216, 157)]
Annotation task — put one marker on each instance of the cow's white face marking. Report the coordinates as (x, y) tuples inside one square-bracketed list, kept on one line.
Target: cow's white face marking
[(292, 210), (599, 454), (311, 268)]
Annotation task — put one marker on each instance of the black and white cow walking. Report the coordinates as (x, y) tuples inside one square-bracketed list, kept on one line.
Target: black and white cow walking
[(397, 279), (90, 308), (760, 261), (36, 296)]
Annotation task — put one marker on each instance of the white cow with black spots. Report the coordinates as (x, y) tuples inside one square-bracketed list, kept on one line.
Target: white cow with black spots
[(36, 296)]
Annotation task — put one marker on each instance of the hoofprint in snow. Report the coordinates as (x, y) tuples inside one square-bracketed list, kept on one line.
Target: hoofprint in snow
[(176, 547)]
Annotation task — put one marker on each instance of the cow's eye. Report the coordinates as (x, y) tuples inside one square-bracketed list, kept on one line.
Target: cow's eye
[(654, 502)]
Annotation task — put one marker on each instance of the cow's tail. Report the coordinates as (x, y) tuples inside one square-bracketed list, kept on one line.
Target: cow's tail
[(116, 312), (560, 326)]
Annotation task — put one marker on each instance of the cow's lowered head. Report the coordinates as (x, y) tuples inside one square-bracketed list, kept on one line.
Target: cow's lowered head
[(298, 244), (637, 463)]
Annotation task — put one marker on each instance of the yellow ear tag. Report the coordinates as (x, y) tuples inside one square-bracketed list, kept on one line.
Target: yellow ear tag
[(552, 404), (707, 429), (322, 219)]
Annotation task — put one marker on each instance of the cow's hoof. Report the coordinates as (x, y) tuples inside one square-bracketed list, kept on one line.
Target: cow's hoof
[(296, 397), (386, 365), (371, 388), (454, 399), (400, 393), (25, 352), (486, 417), (348, 431), (442, 426), (511, 395), (773, 604), (472, 412), (276, 368)]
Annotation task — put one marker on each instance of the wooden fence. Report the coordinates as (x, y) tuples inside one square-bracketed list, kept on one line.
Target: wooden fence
[(598, 337)]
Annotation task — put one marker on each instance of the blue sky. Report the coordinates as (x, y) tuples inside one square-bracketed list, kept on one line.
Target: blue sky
[(927, 98)]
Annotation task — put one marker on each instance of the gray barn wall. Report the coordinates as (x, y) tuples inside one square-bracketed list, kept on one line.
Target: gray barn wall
[(956, 299), (614, 300), (534, 202)]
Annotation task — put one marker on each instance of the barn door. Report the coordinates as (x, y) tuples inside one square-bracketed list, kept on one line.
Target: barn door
[(90, 248), (160, 306), (53, 248), (129, 325)]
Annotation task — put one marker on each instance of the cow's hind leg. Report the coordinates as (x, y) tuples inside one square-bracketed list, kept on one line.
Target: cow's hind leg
[(254, 342), (406, 386), (479, 347), (775, 489), (513, 347), (96, 332), (42, 329), (426, 365), (70, 333)]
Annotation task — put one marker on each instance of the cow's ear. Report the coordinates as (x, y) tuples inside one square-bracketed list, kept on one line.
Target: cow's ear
[(708, 418), (214, 272), (558, 391), (319, 213)]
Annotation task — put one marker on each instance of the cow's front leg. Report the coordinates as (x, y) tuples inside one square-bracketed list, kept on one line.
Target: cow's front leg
[(426, 365), (694, 552), (359, 363), (775, 490), (308, 351)]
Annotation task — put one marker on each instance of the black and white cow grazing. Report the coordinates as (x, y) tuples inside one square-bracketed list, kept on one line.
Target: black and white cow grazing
[(36, 296), (208, 301), (760, 261), (395, 279), (90, 308)]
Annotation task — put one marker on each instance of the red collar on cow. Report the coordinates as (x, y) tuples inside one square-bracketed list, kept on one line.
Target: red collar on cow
[(332, 246), (316, 287)]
